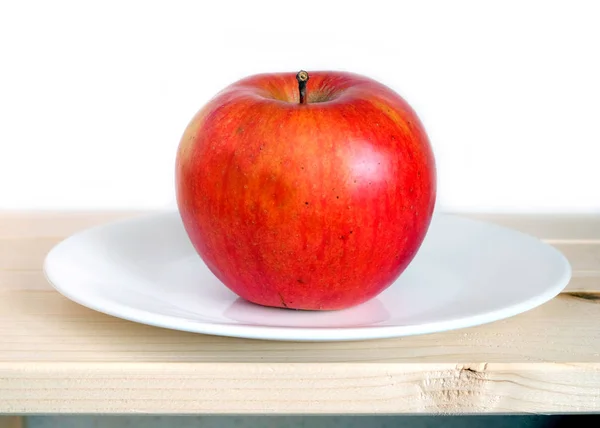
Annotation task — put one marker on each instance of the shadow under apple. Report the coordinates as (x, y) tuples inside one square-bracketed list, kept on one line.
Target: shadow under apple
[(367, 314)]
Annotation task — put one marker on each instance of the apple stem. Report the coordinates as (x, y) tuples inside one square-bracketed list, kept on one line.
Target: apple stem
[(302, 78)]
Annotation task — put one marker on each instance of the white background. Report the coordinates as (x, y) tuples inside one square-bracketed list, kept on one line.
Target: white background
[(94, 95)]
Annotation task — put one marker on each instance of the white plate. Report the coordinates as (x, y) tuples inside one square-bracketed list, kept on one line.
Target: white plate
[(466, 273)]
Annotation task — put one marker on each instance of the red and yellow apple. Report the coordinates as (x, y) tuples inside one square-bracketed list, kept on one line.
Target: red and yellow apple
[(306, 191)]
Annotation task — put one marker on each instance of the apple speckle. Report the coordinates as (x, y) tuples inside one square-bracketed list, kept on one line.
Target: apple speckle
[(282, 301)]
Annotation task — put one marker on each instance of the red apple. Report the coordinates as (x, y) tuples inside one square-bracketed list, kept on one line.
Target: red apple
[(306, 192)]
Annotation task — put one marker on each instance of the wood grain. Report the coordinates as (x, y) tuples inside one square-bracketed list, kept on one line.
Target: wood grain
[(306, 389), (52, 224), (46, 327), (549, 227), (59, 357)]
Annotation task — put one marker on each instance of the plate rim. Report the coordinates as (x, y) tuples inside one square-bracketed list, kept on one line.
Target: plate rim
[(297, 334)]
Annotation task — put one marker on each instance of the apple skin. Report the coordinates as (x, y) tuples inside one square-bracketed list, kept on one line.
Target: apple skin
[(315, 206)]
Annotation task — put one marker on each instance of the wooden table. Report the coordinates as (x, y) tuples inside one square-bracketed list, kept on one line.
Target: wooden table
[(59, 357)]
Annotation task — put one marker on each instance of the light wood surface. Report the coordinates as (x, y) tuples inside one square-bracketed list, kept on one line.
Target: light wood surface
[(59, 357)]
